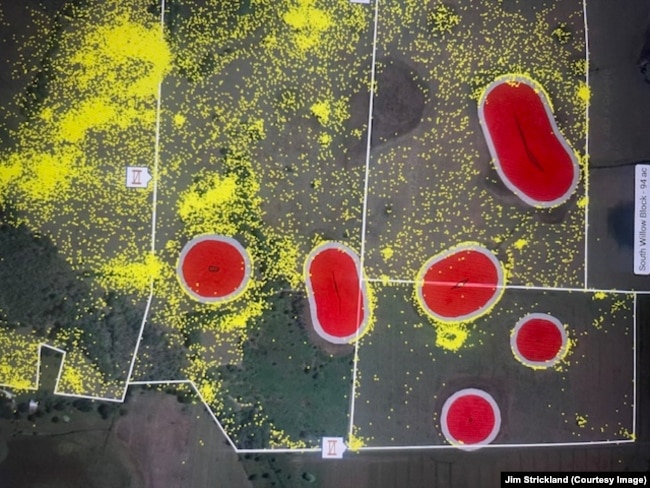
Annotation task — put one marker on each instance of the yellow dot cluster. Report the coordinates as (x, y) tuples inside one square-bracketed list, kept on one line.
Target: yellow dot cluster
[(18, 359), (443, 19)]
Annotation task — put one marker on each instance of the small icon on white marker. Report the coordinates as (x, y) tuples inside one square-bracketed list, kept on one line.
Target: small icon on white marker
[(137, 176), (333, 447)]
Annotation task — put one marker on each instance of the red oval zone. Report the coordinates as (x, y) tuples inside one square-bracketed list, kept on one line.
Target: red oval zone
[(337, 302), (461, 284), (530, 155)]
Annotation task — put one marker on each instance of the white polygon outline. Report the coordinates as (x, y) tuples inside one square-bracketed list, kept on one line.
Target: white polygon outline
[(312, 301), (364, 209), (586, 160), (219, 238), (539, 364), (394, 281), (505, 79), (445, 411), (634, 367), (151, 283), (420, 282), (430, 447)]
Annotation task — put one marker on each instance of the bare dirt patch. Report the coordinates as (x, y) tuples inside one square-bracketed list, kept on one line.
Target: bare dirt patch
[(399, 101), (176, 445)]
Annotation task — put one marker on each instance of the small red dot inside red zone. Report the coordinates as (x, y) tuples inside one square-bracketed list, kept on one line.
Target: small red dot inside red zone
[(213, 268)]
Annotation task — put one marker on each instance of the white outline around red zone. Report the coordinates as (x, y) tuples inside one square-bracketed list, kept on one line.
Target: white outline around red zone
[(352, 402), (494, 299), (312, 300), (444, 426), (541, 94), (539, 364), (219, 238)]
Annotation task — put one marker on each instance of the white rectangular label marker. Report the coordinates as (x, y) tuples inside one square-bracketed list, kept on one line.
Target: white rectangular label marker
[(137, 176), (641, 209), (333, 447)]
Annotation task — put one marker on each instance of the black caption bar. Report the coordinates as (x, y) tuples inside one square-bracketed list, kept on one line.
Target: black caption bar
[(516, 479)]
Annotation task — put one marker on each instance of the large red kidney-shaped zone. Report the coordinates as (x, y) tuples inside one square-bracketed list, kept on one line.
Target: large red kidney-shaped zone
[(470, 418), (539, 340), (213, 268), (530, 154), (460, 284), (337, 302)]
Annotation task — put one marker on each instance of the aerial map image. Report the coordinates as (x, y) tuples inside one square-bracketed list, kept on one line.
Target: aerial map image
[(324, 243)]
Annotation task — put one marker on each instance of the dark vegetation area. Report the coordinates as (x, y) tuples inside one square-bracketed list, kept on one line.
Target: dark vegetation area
[(304, 391), (41, 293), (47, 407)]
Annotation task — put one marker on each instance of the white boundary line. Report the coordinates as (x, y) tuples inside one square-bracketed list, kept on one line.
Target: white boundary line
[(156, 159), (586, 161), (526, 287), (278, 451), (496, 446), (154, 203), (634, 377), (151, 283), (355, 366), (137, 344), (369, 139), (159, 382), (198, 394)]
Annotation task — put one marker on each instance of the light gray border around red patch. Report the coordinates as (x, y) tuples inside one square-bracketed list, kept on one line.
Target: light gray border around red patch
[(539, 364), (556, 131), (312, 302), (456, 249), (220, 238), (445, 411)]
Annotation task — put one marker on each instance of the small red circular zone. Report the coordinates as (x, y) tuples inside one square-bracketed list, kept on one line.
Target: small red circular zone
[(337, 301), (539, 340), (213, 268), (470, 418), (462, 284)]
